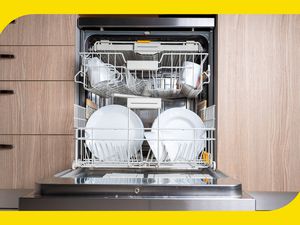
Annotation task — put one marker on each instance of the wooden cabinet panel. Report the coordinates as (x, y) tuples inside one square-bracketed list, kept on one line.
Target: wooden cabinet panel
[(57, 154), (40, 30), (37, 63), (19, 168), (33, 157), (37, 107), (259, 100)]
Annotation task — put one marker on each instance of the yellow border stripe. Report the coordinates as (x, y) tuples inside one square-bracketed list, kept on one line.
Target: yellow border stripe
[(15, 8), (287, 215), (12, 9)]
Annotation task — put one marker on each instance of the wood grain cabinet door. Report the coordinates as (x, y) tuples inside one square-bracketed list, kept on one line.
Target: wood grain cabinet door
[(37, 62), (33, 107), (33, 157), (20, 164), (40, 30), (259, 100), (57, 154)]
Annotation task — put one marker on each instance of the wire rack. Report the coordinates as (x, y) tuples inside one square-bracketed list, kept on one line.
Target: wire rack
[(117, 153), (153, 69)]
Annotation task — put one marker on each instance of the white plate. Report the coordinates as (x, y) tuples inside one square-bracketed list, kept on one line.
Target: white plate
[(158, 151), (179, 140), (107, 134)]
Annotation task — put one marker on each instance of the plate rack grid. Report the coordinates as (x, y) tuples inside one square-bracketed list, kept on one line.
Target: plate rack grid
[(187, 156)]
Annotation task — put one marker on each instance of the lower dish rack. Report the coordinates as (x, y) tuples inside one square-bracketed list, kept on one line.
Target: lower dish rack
[(152, 153)]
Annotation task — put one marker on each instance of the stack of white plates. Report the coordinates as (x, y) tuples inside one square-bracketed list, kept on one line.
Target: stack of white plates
[(108, 131), (180, 134), (180, 137)]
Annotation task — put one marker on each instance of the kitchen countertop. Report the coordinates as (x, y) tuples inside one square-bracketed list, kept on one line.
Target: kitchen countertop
[(9, 198), (272, 200), (264, 200)]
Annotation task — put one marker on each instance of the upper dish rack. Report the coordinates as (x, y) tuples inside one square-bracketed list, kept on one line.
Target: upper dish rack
[(144, 68)]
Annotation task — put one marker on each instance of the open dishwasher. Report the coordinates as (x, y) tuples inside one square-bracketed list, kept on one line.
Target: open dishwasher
[(145, 121)]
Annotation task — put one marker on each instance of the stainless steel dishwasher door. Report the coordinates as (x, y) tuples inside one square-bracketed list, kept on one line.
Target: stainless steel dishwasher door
[(36, 202), (86, 189)]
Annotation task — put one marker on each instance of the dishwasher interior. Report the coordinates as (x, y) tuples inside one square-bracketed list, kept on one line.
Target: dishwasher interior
[(155, 77)]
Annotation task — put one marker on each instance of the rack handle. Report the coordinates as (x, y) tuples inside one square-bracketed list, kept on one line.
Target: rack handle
[(6, 92), (6, 146), (207, 77), (7, 56)]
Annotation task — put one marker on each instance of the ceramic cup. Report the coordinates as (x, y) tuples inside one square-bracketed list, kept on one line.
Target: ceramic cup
[(191, 73)]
